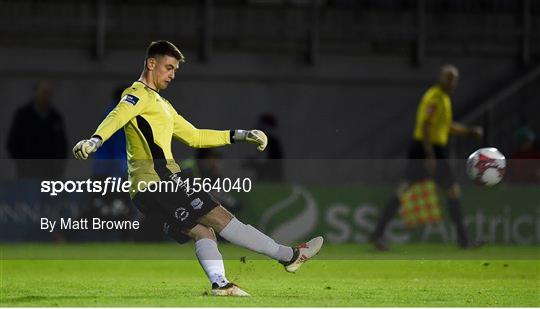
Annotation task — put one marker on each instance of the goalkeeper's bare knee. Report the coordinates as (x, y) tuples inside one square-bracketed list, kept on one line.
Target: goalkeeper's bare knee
[(200, 232), (218, 218)]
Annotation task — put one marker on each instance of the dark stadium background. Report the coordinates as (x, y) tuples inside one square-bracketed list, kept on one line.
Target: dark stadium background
[(342, 77)]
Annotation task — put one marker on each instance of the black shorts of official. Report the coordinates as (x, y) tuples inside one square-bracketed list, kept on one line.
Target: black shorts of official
[(176, 211), (416, 170)]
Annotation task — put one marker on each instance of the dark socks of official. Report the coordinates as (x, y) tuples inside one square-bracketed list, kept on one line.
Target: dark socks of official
[(456, 214), (386, 215)]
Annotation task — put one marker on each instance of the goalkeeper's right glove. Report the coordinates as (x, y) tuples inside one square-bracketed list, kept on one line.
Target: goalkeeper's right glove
[(86, 147)]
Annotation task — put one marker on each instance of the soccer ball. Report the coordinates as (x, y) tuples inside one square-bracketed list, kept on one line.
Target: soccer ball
[(486, 166)]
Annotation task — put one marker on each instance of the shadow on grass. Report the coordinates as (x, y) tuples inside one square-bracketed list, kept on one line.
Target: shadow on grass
[(39, 298)]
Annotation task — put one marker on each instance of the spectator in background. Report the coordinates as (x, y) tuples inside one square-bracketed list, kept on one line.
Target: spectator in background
[(36, 138), (524, 166), (110, 160), (270, 168), (205, 164)]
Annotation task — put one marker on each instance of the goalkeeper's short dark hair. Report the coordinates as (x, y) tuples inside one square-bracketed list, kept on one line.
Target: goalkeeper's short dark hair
[(164, 48)]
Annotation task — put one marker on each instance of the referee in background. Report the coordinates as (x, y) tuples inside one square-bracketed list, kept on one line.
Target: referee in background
[(428, 155)]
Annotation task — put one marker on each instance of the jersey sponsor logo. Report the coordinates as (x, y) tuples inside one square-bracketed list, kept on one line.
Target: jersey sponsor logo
[(131, 99), (197, 203), (181, 213)]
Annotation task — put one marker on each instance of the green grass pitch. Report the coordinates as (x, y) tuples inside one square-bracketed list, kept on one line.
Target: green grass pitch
[(342, 275)]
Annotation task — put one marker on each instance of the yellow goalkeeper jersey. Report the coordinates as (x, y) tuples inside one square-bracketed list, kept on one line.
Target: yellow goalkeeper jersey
[(150, 122), (436, 108)]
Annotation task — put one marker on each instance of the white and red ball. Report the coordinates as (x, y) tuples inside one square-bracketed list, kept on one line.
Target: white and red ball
[(486, 166)]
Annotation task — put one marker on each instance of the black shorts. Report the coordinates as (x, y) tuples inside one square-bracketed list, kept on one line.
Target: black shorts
[(416, 170), (177, 211)]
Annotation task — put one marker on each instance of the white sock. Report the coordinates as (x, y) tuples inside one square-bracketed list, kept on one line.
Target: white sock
[(211, 261), (249, 237)]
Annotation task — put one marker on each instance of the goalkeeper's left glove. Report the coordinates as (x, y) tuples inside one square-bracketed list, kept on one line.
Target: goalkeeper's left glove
[(251, 136), (86, 147)]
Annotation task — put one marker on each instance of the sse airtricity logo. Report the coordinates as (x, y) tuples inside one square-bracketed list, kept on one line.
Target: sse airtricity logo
[(181, 213), (129, 98), (295, 227)]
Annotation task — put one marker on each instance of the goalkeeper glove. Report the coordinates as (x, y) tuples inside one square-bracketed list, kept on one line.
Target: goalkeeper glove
[(86, 147), (251, 136)]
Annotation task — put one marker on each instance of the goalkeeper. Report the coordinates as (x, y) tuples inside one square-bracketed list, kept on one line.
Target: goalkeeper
[(150, 123)]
